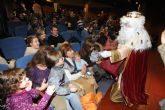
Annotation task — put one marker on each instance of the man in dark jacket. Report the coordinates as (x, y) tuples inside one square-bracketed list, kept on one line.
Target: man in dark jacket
[(54, 39)]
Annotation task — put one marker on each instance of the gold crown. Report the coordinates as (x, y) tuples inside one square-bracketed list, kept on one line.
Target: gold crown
[(133, 14)]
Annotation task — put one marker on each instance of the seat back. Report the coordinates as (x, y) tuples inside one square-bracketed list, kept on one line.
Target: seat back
[(13, 47), (61, 28), (84, 34), (76, 46), (80, 35), (66, 35), (21, 31), (23, 61), (3, 67), (48, 30)]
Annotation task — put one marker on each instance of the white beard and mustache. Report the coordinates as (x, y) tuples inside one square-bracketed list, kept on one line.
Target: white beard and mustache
[(133, 34)]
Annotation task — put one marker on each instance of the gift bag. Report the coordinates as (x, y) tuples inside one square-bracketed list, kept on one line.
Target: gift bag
[(112, 68), (85, 85)]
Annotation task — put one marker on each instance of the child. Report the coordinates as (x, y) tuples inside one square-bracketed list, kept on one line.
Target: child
[(37, 69), (38, 72), (99, 73), (58, 78), (15, 87), (79, 62), (95, 56), (32, 45)]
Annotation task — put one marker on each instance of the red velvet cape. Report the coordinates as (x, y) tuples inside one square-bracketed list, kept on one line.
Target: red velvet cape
[(134, 78)]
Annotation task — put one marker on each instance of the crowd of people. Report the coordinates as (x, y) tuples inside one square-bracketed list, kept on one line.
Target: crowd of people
[(59, 78), (56, 68)]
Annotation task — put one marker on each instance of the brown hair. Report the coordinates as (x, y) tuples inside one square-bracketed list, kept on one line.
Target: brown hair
[(98, 47), (10, 79), (40, 57), (86, 48), (39, 32), (76, 54), (53, 57), (53, 26), (64, 48), (30, 39), (9, 84)]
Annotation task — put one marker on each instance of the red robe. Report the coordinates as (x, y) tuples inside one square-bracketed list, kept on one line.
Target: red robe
[(134, 78)]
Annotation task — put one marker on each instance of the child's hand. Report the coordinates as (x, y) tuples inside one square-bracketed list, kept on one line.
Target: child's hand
[(71, 85), (44, 85), (28, 85), (50, 89), (84, 69), (72, 88), (98, 62)]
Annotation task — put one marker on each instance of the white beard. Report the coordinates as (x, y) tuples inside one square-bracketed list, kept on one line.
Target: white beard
[(133, 34)]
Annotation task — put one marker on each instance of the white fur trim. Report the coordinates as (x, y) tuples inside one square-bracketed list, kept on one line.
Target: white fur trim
[(133, 34)]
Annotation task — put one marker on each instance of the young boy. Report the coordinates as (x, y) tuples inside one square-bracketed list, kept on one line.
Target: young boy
[(58, 78)]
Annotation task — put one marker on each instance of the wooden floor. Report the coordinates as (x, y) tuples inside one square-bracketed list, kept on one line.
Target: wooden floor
[(155, 87)]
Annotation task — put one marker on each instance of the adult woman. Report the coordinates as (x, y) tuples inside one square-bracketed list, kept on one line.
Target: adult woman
[(89, 85), (41, 36), (86, 85), (68, 54)]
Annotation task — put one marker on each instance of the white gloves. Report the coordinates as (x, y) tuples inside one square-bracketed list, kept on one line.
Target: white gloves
[(105, 54), (50, 89)]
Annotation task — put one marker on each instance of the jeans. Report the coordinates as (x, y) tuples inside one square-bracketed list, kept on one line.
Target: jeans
[(51, 107), (74, 101)]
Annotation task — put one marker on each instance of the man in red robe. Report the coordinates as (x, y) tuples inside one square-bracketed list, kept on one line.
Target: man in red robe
[(134, 43)]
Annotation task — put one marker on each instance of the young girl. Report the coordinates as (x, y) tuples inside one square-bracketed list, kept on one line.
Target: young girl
[(41, 36), (16, 92), (37, 69), (33, 45)]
